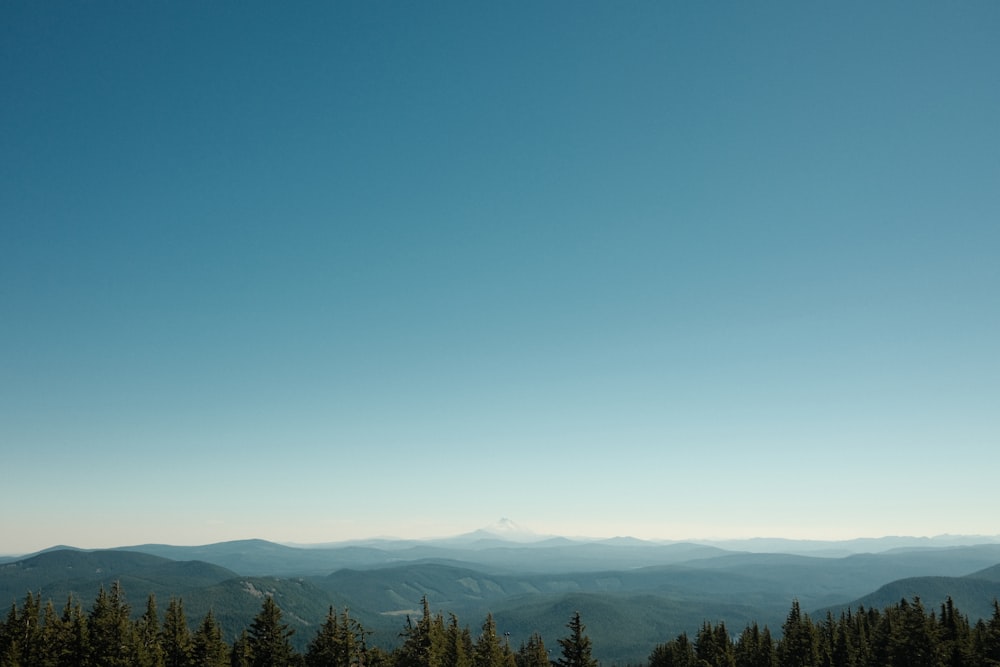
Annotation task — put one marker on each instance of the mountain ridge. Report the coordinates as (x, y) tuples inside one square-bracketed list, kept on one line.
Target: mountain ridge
[(526, 587)]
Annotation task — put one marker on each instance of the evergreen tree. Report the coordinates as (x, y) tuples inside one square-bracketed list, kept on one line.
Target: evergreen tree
[(376, 657), (50, 635), (678, 652), (175, 637), (842, 649), (240, 656), (268, 640), (110, 630), (487, 651), (880, 637), (826, 634), (713, 646), (533, 653), (59, 644), (424, 641), (576, 647), (208, 649), (954, 636), (798, 645), (858, 629), (754, 648), (457, 645), (71, 647), (149, 651), (24, 634), (339, 642), (324, 649), (9, 650), (987, 639), (913, 643)]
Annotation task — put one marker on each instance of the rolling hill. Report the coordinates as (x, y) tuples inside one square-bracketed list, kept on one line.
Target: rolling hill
[(973, 595), (633, 596)]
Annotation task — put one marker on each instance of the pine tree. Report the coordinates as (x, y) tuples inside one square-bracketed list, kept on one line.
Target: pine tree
[(73, 645), (269, 638), (533, 653), (576, 647), (880, 638), (208, 649), (111, 638), (457, 645), (175, 636), (713, 646), (149, 651), (826, 634), (240, 655), (798, 645), (914, 642), (754, 648), (487, 651), (50, 635), (424, 641), (678, 652), (338, 643), (842, 651), (987, 638), (9, 651), (954, 636), (27, 633)]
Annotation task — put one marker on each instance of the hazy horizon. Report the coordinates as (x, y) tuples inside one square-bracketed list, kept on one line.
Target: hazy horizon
[(525, 535), (333, 271)]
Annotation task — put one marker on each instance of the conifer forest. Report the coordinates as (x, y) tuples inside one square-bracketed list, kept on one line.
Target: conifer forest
[(107, 633)]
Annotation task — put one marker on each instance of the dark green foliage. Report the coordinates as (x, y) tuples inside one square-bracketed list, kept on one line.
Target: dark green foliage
[(148, 647), (914, 640), (240, 655), (799, 643), (754, 648), (988, 638), (175, 636), (488, 651), (207, 646), (901, 635), (21, 636), (678, 652), (532, 653), (268, 638), (576, 647), (458, 647), (339, 642), (954, 636), (423, 641), (904, 634), (112, 641), (70, 643), (713, 647)]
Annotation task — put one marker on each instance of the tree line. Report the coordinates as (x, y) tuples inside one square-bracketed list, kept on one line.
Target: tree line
[(107, 635), (901, 635)]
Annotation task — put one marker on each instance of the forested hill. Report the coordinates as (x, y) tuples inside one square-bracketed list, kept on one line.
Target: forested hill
[(60, 572), (259, 557), (905, 633), (972, 594), (628, 609)]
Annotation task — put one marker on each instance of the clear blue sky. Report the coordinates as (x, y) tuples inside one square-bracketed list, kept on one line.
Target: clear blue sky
[(337, 270)]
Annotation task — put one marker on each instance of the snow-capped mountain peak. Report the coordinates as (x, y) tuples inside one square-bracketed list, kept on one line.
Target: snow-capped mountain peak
[(508, 529)]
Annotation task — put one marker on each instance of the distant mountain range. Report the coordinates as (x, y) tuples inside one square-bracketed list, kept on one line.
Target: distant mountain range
[(632, 594)]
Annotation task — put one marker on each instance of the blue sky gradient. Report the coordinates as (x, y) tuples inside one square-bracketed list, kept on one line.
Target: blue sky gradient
[(348, 269)]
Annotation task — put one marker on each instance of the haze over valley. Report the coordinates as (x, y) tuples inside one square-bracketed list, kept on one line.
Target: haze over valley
[(634, 594)]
